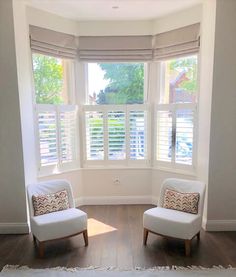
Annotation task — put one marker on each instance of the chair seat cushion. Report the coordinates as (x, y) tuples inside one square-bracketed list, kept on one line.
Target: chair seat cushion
[(58, 224), (172, 223)]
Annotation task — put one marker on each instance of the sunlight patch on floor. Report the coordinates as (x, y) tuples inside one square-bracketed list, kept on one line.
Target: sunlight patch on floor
[(96, 227)]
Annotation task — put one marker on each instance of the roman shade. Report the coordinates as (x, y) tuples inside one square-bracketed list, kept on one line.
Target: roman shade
[(115, 48), (52, 43), (178, 42)]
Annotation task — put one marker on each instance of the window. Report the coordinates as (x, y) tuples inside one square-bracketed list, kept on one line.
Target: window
[(116, 129), (56, 117), (116, 83), (176, 113)]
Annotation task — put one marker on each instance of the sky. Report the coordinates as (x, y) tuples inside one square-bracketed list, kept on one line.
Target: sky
[(96, 80)]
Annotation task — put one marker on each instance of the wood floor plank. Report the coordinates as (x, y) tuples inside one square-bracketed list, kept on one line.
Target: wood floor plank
[(115, 239)]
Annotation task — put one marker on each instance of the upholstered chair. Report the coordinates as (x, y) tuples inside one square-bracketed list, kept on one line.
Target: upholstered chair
[(174, 223), (58, 224)]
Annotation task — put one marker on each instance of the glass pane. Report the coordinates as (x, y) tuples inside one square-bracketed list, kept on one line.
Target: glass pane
[(164, 136), (184, 137), (49, 79), (115, 83), (94, 136), (179, 84), (137, 135), (116, 135)]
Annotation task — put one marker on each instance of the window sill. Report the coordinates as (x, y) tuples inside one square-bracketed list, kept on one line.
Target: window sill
[(176, 170), (48, 174)]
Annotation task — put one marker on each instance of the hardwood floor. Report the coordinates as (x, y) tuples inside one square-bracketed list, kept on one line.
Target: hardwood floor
[(115, 239)]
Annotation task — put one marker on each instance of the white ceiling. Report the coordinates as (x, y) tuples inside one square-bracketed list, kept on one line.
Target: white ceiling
[(102, 9)]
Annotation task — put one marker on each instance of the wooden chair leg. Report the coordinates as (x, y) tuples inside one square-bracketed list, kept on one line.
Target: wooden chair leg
[(187, 243), (34, 239), (85, 234), (41, 249), (198, 236), (145, 236)]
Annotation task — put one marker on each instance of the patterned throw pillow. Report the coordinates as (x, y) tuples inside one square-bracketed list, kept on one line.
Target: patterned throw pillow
[(185, 202), (48, 203)]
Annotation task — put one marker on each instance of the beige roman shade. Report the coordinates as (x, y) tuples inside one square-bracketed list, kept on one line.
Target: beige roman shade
[(52, 43), (115, 48), (178, 42)]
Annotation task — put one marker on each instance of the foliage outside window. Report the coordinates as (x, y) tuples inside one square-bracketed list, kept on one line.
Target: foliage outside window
[(116, 83), (49, 79)]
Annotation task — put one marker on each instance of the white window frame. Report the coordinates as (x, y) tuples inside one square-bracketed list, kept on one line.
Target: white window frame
[(59, 167), (172, 166)]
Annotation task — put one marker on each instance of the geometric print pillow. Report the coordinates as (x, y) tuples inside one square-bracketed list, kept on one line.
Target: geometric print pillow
[(185, 202), (48, 203)]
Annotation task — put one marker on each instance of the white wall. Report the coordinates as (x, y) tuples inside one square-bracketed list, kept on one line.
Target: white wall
[(205, 88), (25, 88), (13, 212), (222, 163), (115, 28)]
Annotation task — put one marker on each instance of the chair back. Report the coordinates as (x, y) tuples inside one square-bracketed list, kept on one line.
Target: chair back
[(47, 188), (182, 185)]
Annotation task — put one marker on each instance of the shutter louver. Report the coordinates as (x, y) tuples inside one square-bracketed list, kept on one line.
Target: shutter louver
[(138, 135), (94, 135), (164, 136), (116, 135), (184, 136), (48, 142), (68, 136)]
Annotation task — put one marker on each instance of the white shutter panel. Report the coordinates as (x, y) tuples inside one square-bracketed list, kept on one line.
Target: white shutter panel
[(138, 135), (48, 142), (184, 136), (164, 136), (94, 123), (67, 133), (116, 135)]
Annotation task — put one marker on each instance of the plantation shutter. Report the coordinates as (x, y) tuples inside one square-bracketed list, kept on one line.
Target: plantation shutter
[(116, 135), (115, 48), (52, 43), (94, 123), (175, 133), (178, 42), (138, 134), (67, 133), (164, 135), (48, 140), (56, 134)]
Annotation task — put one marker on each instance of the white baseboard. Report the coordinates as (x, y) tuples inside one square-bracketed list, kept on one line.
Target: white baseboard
[(219, 225), (113, 200), (14, 228)]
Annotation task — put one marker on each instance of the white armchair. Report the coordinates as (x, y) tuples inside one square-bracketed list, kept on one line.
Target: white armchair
[(173, 223), (55, 225)]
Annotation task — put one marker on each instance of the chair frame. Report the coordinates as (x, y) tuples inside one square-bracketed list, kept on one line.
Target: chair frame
[(41, 244), (187, 242)]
